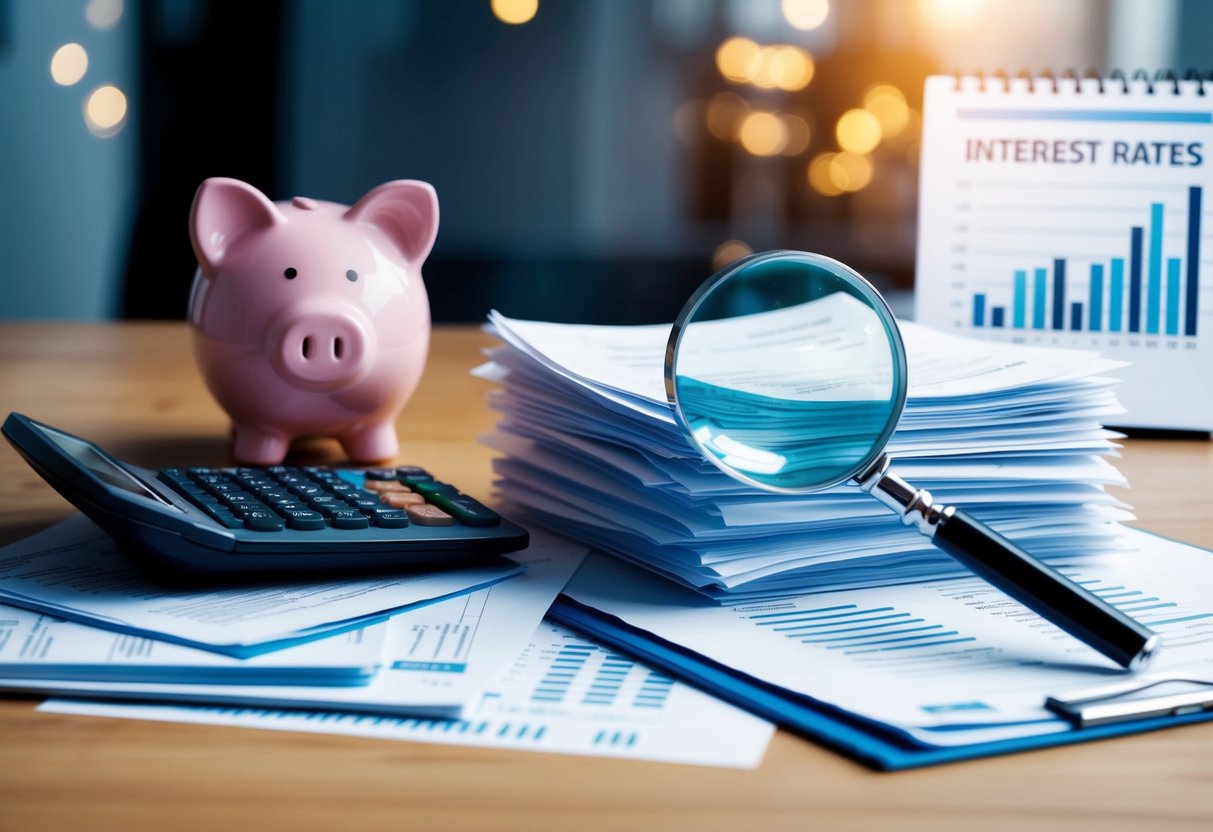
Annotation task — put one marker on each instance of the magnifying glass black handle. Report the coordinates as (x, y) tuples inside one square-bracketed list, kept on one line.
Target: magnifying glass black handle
[(1045, 591)]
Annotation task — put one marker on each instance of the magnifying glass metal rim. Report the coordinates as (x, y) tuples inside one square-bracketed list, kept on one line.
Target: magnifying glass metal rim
[(876, 453)]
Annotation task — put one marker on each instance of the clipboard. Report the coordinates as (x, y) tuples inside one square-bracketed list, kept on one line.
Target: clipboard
[(874, 744)]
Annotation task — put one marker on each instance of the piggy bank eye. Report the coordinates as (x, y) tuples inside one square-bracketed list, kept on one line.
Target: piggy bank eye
[(351, 275), (290, 274)]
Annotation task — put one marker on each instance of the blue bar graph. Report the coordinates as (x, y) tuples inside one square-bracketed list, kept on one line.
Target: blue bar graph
[(1116, 295), (1193, 285), (1039, 299), (1021, 299), (1154, 275), (1172, 295), (1096, 297), (1163, 290), (1135, 279), (1059, 293)]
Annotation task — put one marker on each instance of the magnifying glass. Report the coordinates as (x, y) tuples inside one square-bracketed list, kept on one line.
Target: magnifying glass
[(787, 370)]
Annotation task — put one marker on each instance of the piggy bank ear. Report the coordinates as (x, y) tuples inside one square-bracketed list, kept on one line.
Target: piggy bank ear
[(225, 210), (406, 210)]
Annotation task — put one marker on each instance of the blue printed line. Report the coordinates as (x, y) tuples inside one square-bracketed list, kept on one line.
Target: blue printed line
[(1156, 607), (895, 640), (1182, 117), (872, 635), (801, 612), (791, 630), (899, 622), (828, 617), (1179, 620)]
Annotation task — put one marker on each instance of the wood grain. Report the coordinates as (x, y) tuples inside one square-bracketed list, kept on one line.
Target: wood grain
[(133, 389)]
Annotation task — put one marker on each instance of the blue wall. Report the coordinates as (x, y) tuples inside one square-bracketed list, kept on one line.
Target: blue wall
[(66, 195)]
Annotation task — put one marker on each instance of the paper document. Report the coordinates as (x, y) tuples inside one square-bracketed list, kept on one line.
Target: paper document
[(74, 570), (563, 694), (437, 660), (44, 650), (946, 662), (589, 447)]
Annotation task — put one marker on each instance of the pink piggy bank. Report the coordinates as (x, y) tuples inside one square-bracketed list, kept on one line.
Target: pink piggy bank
[(310, 318)]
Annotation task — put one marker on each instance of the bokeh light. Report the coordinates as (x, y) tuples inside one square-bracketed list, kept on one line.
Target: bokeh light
[(819, 175), (729, 251), (725, 113), (805, 14), (797, 130), (887, 103), (763, 134), (68, 64), (790, 67), (102, 14), (514, 12), (951, 14), (739, 59), (105, 110), (850, 171), (858, 131)]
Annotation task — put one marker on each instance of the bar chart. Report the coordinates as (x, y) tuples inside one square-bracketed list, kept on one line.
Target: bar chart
[(1138, 292), (1076, 215)]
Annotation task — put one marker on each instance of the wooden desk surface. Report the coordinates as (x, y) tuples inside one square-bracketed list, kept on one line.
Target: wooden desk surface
[(133, 389)]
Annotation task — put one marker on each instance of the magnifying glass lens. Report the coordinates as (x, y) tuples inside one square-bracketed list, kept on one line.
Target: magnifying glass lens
[(788, 371)]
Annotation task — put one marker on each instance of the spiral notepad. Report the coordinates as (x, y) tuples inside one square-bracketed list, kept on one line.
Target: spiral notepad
[(1071, 212)]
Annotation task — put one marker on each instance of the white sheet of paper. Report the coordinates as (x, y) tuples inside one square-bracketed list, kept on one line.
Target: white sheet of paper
[(921, 657), (563, 694), (44, 649), (75, 571), (436, 662)]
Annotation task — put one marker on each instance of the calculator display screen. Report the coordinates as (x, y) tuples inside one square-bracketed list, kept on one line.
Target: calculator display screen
[(99, 465)]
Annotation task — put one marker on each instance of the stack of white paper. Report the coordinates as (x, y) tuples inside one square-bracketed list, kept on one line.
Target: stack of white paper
[(1013, 434)]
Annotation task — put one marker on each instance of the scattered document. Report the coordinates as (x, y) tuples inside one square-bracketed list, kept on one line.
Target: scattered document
[(946, 663), (75, 571), (43, 650), (563, 694), (590, 448), (437, 660)]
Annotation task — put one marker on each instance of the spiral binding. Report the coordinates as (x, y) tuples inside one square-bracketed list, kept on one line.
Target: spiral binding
[(1164, 80)]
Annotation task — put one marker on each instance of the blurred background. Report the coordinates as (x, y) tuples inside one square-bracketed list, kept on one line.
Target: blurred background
[(594, 159)]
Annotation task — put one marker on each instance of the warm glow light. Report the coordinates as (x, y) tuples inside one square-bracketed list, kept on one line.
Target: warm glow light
[(763, 134), (805, 14), (889, 106), (819, 175), (798, 135), (102, 14), (951, 14), (790, 66), (850, 171), (69, 64), (739, 59), (725, 113), (858, 131), (104, 110), (514, 12), (728, 251)]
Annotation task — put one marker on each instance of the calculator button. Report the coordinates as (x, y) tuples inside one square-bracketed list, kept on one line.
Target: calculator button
[(429, 488), (305, 521), (403, 499), (263, 521), (394, 519), (385, 474), (307, 490), (382, 486), (429, 515), (361, 503), (348, 518), (227, 519), (412, 471), (466, 510), (325, 503)]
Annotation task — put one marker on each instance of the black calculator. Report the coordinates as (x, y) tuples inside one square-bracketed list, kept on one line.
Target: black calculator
[(269, 519)]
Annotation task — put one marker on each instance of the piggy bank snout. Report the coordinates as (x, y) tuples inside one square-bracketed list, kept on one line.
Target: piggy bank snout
[(324, 349)]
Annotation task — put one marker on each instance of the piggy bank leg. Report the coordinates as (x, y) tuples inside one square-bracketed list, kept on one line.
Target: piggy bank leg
[(372, 443), (257, 446)]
